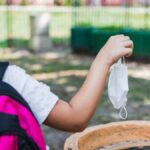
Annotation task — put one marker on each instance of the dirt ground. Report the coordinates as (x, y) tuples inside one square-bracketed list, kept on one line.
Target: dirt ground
[(65, 72)]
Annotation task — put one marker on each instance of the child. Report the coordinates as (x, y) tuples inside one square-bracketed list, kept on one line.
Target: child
[(73, 116)]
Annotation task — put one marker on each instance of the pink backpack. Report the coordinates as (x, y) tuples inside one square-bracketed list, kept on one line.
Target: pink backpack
[(19, 129)]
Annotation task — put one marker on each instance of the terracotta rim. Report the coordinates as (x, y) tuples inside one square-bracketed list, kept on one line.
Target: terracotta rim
[(117, 135)]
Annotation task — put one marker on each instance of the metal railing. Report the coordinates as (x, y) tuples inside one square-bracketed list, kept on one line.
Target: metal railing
[(15, 20)]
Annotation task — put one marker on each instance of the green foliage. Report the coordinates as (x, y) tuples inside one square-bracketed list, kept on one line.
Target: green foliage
[(2, 2), (68, 2), (24, 2)]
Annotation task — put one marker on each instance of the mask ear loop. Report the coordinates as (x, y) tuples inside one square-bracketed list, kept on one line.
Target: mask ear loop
[(119, 61), (123, 60), (123, 113)]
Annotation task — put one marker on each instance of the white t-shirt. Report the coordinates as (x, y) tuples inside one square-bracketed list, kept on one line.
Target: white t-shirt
[(38, 95)]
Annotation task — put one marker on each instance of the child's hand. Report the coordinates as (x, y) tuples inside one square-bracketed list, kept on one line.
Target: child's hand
[(115, 48)]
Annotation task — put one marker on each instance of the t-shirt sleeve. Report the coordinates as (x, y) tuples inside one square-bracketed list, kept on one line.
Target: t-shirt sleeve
[(37, 94)]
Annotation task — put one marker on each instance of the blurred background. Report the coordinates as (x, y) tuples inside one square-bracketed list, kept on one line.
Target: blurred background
[(56, 41)]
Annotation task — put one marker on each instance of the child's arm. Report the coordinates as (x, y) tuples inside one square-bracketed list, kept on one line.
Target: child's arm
[(74, 116)]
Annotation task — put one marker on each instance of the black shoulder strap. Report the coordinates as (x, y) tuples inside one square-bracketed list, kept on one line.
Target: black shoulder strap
[(3, 67)]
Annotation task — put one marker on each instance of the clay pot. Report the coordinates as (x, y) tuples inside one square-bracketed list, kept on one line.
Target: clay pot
[(125, 135)]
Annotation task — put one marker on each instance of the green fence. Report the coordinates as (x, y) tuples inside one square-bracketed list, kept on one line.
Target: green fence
[(90, 40), (16, 30)]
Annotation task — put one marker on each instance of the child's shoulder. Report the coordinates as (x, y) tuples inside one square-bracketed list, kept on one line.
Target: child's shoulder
[(16, 77), (15, 68)]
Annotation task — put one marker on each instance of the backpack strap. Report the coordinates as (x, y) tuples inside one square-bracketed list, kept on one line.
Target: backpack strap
[(3, 67)]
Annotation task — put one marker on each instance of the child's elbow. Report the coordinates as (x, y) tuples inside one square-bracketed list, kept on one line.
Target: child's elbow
[(79, 127), (82, 128)]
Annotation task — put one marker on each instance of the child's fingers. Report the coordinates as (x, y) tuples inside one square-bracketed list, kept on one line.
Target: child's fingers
[(128, 44), (124, 38), (128, 52), (119, 36)]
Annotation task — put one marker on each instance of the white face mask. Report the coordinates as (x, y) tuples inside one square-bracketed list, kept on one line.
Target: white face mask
[(118, 87)]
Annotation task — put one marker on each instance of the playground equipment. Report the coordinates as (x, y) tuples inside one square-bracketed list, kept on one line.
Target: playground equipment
[(127, 135)]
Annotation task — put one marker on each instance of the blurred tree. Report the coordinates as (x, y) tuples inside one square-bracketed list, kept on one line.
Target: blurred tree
[(14, 2), (93, 2), (58, 2), (24, 2), (27, 2), (2, 2), (83, 2), (116, 2), (68, 2), (76, 2)]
